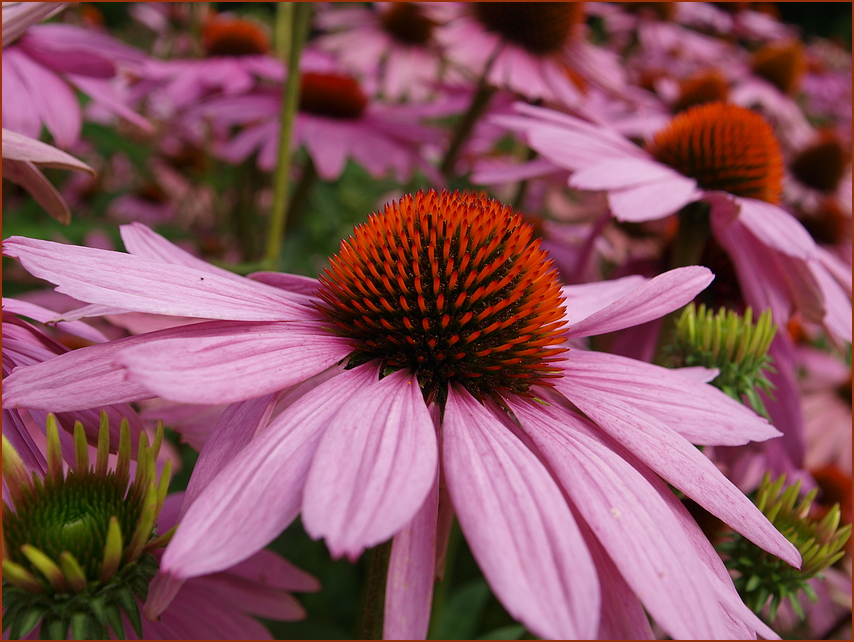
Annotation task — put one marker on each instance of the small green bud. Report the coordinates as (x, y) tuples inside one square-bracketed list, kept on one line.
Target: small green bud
[(733, 344)]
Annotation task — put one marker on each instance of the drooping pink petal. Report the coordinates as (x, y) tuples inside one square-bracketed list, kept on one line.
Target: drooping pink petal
[(248, 596), (235, 428), (275, 571), (373, 468), (651, 300), (28, 176), (411, 573), (517, 524), (88, 377), (698, 412), (19, 147), (619, 173), (776, 228), (291, 282), (140, 285), (638, 531), (243, 361), (259, 492), (107, 96), (682, 465), (43, 315), (837, 303), (653, 201)]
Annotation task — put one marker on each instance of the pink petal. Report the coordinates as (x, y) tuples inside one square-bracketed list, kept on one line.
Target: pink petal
[(266, 567), (136, 284), (27, 175), (236, 426), (518, 525), (651, 300), (246, 596), (259, 492), (291, 282), (584, 299), (639, 532), (409, 588), (19, 147), (653, 201), (698, 412), (837, 303), (619, 173), (776, 228), (241, 362), (106, 95), (373, 467), (88, 377), (43, 315), (682, 465)]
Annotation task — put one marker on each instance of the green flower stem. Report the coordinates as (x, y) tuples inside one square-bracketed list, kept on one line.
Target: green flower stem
[(482, 95), (372, 615), (691, 238), (441, 589), (300, 22)]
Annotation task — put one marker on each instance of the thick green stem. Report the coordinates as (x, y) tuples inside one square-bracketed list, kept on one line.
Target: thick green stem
[(480, 101), (372, 617), (301, 18), (691, 238)]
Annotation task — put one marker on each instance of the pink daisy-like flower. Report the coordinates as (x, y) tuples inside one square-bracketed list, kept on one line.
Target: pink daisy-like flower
[(236, 60), (390, 41), (537, 49), (451, 324), (336, 121), (721, 154), (45, 63)]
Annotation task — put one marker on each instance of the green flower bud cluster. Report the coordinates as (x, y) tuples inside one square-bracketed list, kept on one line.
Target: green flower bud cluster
[(77, 543), (820, 541), (733, 344)]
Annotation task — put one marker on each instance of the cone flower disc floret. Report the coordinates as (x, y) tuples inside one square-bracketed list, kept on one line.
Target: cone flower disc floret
[(76, 543)]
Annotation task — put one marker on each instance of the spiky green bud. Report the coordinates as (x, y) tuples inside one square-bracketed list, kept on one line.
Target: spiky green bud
[(820, 541), (76, 543), (733, 344)]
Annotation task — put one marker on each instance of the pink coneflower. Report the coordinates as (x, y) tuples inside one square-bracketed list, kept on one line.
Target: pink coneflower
[(336, 121), (42, 68), (721, 154), (452, 325), (237, 58), (537, 49), (391, 41)]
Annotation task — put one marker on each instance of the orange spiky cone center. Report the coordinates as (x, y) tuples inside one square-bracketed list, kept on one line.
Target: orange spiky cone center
[(723, 147), (331, 95), (452, 287), (707, 86), (782, 64), (234, 37)]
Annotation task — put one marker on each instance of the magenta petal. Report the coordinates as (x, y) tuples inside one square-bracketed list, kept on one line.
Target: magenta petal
[(651, 300), (291, 282), (243, 361), (700, 413), (236, 426), (655, 200), (517, 524), (619, 173), (411, 573), (636, 528), (275, 571), (140, 285), (43, 315), (248, 597), (373, 468), (776, 228), (584, 299), (682, 465), (19, 147), (259, 492), (28, 176)]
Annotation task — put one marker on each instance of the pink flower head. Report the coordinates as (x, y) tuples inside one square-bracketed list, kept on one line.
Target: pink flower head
[(721, 154), (391, 42), (537, 49), (336, 121), (237, 59), (446, 328), (44, 65)]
